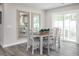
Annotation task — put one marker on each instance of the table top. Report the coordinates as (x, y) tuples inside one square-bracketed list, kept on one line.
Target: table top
[(41, 34)]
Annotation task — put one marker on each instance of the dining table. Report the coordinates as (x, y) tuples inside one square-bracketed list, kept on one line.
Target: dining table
[(42, 35)]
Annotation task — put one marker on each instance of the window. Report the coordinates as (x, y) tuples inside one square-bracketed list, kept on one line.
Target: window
[(36, 22), (67, 24)]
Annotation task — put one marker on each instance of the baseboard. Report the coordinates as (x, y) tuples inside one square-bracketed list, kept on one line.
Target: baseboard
[(70, 41), (17, 43), (21, 42)]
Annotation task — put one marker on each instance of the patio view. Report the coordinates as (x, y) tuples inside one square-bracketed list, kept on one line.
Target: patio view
[(67, 24)]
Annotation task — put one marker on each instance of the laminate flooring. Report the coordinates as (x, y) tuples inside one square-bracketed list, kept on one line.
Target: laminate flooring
[(66, 49)]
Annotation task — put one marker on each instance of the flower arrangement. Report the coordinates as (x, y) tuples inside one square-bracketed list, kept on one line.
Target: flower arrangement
[(44, 30)]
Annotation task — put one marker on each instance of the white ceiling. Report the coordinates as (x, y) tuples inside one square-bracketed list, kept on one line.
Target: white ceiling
[(46, 6)]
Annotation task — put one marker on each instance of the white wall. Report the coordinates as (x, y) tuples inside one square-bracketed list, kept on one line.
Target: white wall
[(1, 26), (10, 37), (69, 8), (9, 20), (0, 7)]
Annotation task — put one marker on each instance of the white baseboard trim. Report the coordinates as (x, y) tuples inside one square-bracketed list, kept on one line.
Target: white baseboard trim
[(17, 43), (20, 42), (70, 41)]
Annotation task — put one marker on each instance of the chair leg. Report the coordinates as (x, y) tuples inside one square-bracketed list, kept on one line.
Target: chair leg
[(32, 49), (27, 48), (48, 49), (59, 43), (55, 44)]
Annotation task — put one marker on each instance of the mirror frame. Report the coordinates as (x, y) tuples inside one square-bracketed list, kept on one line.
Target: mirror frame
[(17, 21)]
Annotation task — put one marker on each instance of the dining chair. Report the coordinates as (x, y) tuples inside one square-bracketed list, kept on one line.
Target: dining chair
[(57, 35), (32, 41), (53, 39)]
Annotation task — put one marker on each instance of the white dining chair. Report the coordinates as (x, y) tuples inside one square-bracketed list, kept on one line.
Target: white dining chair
[(53, 39), (32, 42), (57, 35)]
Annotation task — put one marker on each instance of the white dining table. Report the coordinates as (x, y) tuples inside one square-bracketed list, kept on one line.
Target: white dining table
[(41, 41)]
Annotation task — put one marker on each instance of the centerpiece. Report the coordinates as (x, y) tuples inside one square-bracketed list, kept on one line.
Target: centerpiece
[(44, 31)]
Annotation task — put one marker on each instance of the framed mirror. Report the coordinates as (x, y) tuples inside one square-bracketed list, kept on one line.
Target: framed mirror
[(22, 23)]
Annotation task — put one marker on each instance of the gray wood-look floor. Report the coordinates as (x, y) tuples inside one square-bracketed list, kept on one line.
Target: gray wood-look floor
[(67, 49)]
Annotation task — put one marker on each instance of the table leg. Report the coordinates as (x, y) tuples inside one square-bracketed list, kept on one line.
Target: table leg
[(59, 43), (41, 45)]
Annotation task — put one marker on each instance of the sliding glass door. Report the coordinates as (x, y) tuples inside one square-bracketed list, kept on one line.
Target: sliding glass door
[(58, 23), (67, 24), (73, 27), (70, 27)]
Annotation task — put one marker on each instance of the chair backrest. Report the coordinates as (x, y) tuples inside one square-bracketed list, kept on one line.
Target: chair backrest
[(30, 37), (50, 36), (53, 34), (30, 34)]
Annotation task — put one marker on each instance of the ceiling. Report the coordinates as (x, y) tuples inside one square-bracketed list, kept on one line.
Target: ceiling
[(46, 6), (43, 6)]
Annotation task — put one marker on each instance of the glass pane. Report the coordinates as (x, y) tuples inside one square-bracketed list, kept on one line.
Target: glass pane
[(67, 24), (70, 27), (72, 33), (67, 18), (58, 23), (36, 19)]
